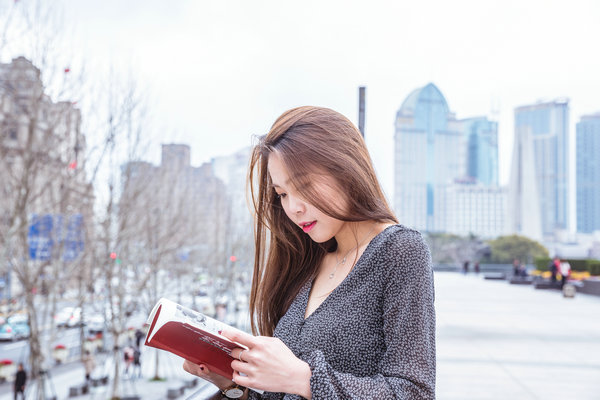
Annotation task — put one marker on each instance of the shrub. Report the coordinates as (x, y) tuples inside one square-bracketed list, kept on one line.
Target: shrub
[(594, 267), (582, 265), (541, 264)]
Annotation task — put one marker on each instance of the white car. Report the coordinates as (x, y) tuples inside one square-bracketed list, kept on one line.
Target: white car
[(68, 317), (94, 323)]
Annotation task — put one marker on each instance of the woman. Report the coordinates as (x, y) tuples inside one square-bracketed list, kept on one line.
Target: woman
[(342, 296)]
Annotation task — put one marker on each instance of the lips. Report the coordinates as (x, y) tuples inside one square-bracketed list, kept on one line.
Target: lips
[(307, 226)]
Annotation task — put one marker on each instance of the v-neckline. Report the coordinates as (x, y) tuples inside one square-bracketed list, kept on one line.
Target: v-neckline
[(310, 282)]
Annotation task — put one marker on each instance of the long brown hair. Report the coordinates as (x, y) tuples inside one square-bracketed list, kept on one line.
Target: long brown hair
[(311, 142)]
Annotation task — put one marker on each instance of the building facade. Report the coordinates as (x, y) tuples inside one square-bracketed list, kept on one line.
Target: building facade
[(523, 212), (482, 150), (44, 196), (441, 162), (429, 153), (472, 208), (232, 170), (588, 173), (173, 209), (546, 126)]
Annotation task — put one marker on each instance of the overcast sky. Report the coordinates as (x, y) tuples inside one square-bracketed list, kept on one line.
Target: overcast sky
[(217, 72)]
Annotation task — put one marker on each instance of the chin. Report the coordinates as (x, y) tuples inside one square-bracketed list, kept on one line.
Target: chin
[(320, 238)]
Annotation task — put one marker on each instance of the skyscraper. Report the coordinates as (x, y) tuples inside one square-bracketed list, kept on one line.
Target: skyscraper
[(481, 135), (588, 173), (523, 211), (546, 127), (445, 166), (429, 152)]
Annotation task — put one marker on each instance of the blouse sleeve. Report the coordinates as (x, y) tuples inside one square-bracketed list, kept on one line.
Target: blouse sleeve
[(407, 368)]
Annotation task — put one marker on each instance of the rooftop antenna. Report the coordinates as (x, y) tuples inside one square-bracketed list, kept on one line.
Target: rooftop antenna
[(494, 109), (361, 110)]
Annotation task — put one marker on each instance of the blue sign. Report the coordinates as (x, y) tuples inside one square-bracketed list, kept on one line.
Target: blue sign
[(49, 234)]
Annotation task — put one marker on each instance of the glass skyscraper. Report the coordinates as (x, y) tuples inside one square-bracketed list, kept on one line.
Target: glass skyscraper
[(429, 152), (482, 152), (588, 173), (547, 125), (442, 163)]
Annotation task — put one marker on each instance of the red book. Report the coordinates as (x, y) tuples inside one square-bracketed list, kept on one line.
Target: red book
[(191, 335)]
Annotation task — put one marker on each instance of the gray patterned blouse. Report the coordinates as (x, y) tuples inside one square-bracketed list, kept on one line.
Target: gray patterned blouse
[(373, 337)]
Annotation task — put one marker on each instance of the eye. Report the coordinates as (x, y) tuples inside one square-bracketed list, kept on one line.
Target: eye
[(280, 195)]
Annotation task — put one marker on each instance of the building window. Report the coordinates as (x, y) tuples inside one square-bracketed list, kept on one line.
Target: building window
[(12, 133)]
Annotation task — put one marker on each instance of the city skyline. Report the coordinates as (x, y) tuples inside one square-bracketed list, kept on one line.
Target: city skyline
[(204, 63), (446, 170), (215, 74)]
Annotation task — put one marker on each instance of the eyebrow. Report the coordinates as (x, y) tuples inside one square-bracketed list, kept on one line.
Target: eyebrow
[(277, 186)]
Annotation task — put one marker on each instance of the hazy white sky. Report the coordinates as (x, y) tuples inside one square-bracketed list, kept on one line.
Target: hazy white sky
[(220, 71)]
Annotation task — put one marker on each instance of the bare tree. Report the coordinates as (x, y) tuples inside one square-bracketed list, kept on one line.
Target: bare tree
[(46, 201), (44, 190), (121, 127), (165, 211)]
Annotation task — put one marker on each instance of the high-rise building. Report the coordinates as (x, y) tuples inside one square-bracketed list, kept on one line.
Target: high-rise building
[(471, 208), (441, 160), (174, 207), (232, 170), (588, 173), (45, 199), (482, 149), (546, 125), (523, 212), (429, 153)]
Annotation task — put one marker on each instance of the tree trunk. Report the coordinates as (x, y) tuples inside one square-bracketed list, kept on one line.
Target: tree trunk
[(115, 394), (36, 355)]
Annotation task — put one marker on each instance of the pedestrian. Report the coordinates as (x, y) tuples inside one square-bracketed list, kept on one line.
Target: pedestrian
[(465, 267), (137, 364), (342, 295), (554, 267), (20, 381), (565, 272), (139, 335), (516, 268), (89, 363), (477, 267), (128, 358)]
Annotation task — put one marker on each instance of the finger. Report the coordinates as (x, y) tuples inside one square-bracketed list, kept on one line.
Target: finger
[(242, 380), (240, 354), (239, 337), (242, 367)]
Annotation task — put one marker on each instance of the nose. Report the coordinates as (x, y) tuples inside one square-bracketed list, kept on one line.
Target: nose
[(297, 205)]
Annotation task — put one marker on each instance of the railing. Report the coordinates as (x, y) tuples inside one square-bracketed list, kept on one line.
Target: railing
[(205, 391), (482, 267)]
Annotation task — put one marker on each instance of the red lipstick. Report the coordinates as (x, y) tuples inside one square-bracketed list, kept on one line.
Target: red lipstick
[(307, 227)]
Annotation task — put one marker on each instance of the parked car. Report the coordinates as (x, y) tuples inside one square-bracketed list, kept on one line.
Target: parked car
[(20, 325), (68, 317), (6, 331), (94, 323)]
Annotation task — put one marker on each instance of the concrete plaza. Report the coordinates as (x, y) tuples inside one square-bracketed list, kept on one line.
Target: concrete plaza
[(502, 341), (494, 341)]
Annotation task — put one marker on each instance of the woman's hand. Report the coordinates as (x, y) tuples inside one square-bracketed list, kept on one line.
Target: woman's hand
[(202, 371), (268, 364)]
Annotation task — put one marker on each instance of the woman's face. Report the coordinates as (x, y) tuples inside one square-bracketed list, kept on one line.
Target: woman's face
[(318, 225)]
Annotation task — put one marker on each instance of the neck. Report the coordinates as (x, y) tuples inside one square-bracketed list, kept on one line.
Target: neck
[(355, 235)]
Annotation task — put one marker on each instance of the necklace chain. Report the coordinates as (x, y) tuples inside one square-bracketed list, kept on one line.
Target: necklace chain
[(343, 260)]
